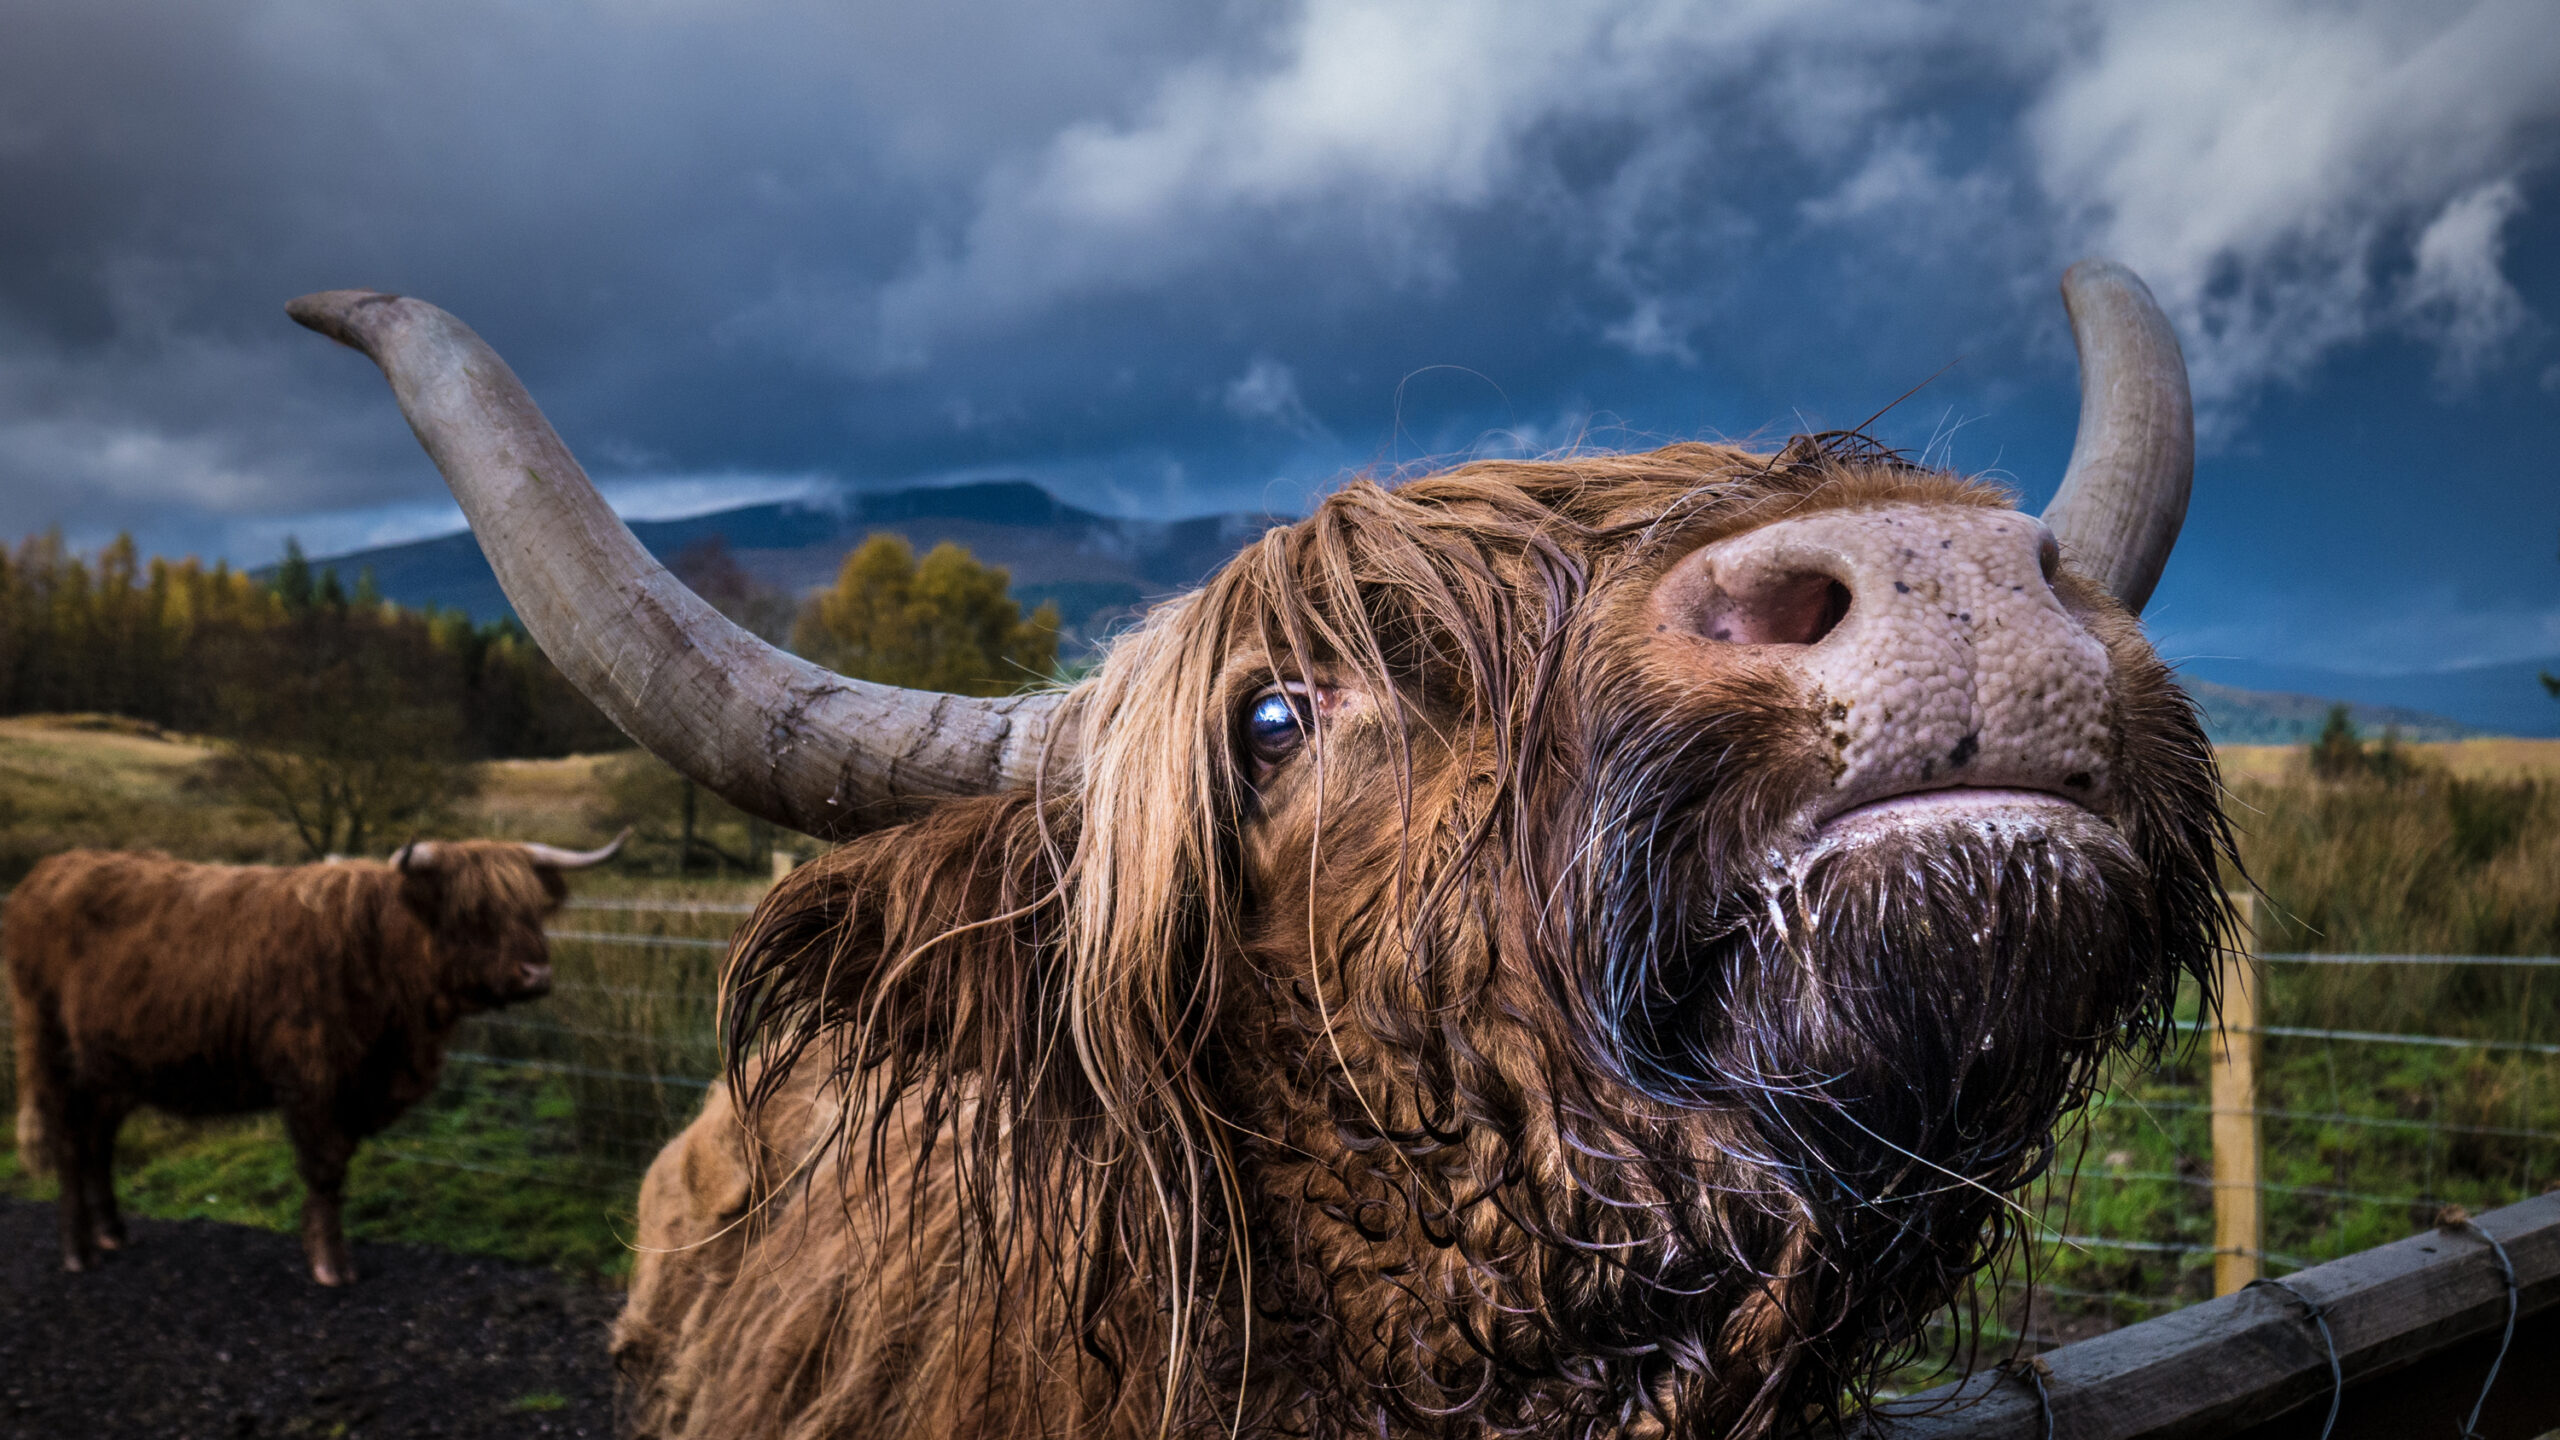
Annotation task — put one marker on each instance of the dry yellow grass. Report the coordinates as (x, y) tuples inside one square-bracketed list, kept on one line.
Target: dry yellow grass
[(97, 744), (2500, 758), (89, 780), (558, 802), (102, 781)]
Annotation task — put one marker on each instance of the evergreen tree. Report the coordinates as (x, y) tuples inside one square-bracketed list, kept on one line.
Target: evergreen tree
[(2551, 683), (292, 582), (2338, 753)]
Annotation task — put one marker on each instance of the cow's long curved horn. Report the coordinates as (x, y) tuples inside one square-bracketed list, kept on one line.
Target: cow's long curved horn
[(552, 857), (765, 730), (2125, 495)]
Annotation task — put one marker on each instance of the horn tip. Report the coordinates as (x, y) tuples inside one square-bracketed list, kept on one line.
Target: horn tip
[(335, 313), (2097, 272)]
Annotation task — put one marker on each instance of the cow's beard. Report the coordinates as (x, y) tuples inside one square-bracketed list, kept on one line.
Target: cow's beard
[(1729, 1117), (1878, 1040), (1777, 1134)]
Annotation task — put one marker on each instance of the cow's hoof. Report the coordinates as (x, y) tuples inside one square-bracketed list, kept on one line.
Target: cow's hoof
[(108, 1240), (78, 1264), (327, 1273)]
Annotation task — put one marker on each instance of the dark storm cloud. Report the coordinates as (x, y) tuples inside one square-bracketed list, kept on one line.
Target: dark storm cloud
[(1171, 257)]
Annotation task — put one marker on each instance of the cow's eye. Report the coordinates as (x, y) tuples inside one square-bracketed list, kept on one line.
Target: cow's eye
[(1277, 723)]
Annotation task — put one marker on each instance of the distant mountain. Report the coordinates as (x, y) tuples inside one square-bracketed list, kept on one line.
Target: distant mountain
[(1097, 569), (2265, 717), (2501, 699)]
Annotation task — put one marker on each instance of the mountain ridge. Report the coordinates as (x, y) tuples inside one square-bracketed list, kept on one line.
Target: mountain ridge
[(1097, 569)]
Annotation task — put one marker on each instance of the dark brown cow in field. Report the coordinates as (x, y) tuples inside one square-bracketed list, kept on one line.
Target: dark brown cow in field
[(326, 992), (1567, 948)]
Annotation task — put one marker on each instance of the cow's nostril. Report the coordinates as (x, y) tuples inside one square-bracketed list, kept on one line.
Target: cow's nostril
[(1789, 609)]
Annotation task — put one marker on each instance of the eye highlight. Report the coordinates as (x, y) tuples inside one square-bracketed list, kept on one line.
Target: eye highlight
[(1276, 723)]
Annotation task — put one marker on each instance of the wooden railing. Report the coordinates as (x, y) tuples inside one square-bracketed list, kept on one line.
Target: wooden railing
[(2393, 1343)]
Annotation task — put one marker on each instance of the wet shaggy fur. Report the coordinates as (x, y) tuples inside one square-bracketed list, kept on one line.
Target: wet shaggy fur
[(1496, 1063), (324, 991)]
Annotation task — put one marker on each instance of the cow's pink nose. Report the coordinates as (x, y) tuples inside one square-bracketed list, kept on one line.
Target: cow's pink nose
[(1929, 639)]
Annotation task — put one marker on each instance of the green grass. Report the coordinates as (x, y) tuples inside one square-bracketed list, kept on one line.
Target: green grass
[(484, 1167), (2366, 1164), (530, 1149)]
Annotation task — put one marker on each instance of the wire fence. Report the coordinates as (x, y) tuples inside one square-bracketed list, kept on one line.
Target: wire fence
[(2368, 1129), (2383, 1089)]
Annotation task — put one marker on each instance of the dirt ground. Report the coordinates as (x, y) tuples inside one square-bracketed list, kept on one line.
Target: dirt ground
[(204, 1331)]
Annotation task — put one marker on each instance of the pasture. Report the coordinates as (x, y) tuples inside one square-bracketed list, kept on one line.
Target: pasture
[(534, 1165), (530, 1150)]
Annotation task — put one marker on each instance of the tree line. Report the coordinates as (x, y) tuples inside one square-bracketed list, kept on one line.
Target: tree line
[(351, 717), (218, 651)]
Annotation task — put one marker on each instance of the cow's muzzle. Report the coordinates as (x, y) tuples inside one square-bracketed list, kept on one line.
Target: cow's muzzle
[(1930, 643)]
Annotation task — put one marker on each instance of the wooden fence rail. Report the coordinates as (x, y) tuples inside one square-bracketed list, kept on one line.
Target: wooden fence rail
[(2411, 1329)]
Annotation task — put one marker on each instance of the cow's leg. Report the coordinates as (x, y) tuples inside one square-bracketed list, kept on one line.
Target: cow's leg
[(73, 1130), (98, 1181), (321, 1149), (53, 1111)]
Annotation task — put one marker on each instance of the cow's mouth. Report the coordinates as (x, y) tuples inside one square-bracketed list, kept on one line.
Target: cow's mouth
[(2004, 814), (1951, 805)]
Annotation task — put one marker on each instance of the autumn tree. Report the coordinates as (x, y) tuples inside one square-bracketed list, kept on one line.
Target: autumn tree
[(346, 727), (710, 570), (943, 623), (163, 640)]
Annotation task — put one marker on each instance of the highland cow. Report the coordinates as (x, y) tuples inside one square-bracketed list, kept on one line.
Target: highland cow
[(1567, 948), (326, 992)]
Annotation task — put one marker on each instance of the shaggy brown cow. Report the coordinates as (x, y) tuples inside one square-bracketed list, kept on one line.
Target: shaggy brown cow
[(1568, 948), (324, 991)]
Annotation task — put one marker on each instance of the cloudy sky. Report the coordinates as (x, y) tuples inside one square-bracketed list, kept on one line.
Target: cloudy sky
[(1170, 257)]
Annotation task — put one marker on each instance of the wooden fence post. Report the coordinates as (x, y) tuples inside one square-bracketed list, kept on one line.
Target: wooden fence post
[(2238, 1226)]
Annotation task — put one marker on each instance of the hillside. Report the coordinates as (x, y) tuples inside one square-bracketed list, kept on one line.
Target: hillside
[(2265, 717), (2504, 698), (1097, 569), (118, 784)]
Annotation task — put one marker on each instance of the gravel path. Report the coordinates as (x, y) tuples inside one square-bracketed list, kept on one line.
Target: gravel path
[(204, 1331)]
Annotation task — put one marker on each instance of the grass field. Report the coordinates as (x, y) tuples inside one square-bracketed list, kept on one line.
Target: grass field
[(537, 1164)]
